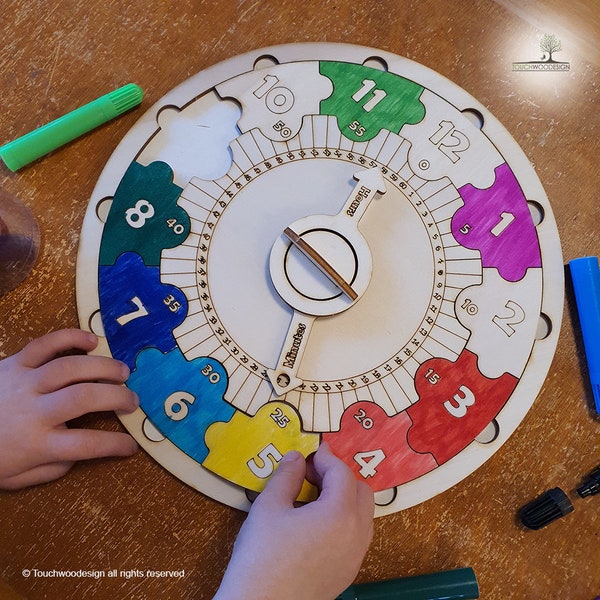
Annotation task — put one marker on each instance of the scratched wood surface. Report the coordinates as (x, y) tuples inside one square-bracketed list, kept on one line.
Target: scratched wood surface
[(132, 514)]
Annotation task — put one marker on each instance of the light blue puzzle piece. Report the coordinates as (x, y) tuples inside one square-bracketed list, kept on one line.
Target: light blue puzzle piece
[(181, 398)]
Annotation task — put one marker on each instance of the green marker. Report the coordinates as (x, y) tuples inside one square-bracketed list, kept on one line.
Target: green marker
[(57, 133), (458, 584)]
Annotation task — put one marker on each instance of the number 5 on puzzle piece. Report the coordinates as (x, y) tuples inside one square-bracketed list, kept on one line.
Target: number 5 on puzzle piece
[(246, 450)]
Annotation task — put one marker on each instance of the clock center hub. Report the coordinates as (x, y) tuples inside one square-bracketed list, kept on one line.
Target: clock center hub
[(320, 268)]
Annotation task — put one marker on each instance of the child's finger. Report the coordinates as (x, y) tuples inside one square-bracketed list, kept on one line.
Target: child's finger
[(44, 349), (82, 398), (69, 370), (337, 482), (84, 444), (36, 475), (285, 484)]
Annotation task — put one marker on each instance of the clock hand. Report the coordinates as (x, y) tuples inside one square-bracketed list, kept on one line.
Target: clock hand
[(370, 181), (283, 377), (339, 235), (320, 262)]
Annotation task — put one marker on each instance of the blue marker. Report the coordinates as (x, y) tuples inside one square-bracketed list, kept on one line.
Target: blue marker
[(585, 273)]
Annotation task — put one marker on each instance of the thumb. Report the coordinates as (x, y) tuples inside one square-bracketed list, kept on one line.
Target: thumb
[(284, 486)]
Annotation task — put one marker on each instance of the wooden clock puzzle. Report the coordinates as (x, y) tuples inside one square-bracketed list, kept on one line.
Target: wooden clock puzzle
[(322, 242)]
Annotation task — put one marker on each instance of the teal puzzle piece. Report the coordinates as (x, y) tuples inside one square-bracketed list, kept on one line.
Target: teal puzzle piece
[(144, 216)]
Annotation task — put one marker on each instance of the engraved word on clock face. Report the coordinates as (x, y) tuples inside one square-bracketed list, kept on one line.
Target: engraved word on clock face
[(309, 249)]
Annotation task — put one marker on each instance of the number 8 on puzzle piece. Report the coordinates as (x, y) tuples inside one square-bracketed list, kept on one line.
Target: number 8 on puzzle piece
[(144, 216)]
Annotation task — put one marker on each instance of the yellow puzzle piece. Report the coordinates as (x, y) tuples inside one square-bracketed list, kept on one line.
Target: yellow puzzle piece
[(246, 450)]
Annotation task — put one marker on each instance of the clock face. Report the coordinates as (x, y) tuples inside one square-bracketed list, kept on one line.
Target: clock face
[(322, 242)]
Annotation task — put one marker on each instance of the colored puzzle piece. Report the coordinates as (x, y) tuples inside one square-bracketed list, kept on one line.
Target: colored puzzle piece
[(503, 318), (367, 100), (194, 141), (137, 309), (275, 99), (247, 449), (375, 446), (144, 216), (497, 222), (181, 398), (456, 403), (446, 144)]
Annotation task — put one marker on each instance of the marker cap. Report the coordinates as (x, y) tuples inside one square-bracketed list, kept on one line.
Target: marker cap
[(548, 507)]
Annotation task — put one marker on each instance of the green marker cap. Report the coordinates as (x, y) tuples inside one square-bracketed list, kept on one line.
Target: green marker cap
[(458, 584), (57, 133)]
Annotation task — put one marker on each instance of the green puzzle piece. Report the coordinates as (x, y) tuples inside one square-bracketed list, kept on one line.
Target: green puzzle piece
[(367, 100), (144, 216)]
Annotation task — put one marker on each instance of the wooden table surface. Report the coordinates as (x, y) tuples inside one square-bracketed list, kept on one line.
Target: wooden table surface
[(132, 514)]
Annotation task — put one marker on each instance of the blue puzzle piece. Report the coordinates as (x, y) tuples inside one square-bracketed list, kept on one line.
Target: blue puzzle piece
[(137, 309), (181, 398)]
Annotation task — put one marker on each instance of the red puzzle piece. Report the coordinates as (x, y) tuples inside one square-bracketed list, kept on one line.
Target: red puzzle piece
[(375, 446), (456, 404)]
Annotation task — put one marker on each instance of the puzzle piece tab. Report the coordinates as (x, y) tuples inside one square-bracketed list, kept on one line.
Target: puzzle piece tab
[(375, 446), (497, 222), (367, 100), (137, 309), (446, 144), (275, 99), (246, 450), (503, 318), (181, 398), (144, 216), (456, 403)]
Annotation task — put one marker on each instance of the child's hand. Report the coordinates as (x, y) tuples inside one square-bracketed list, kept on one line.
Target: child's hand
[(39, 393), (312, 551)]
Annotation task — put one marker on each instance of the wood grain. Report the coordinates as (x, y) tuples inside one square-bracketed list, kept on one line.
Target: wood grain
[(132, 514)]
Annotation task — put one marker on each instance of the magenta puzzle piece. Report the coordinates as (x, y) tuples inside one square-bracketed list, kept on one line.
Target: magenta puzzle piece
[(497, 222)]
